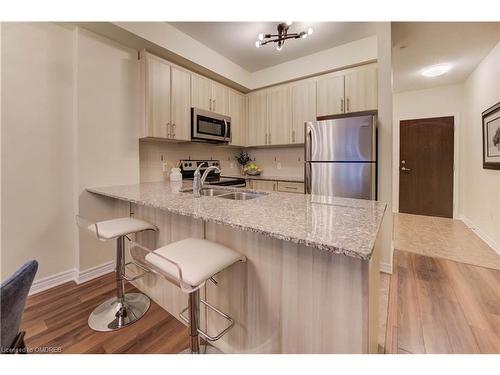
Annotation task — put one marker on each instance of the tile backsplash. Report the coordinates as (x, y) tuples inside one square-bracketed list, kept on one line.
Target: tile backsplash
[(286, 162), (282, 161)]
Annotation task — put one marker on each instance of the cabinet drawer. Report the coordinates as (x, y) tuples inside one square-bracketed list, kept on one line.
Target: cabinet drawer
[(291, 187)]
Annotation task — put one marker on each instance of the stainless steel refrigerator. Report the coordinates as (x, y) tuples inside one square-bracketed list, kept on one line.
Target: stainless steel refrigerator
[(341, 157)]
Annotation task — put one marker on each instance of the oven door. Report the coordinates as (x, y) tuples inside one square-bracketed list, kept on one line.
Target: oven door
[(210, 126)]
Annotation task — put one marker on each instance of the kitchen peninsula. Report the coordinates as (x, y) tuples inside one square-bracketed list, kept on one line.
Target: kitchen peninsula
[(310, 283)]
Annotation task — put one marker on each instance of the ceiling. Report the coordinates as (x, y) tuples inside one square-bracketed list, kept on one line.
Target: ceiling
[(236, 40), (417, 45)]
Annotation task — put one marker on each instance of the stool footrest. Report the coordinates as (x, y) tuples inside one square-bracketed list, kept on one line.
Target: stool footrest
[(203, 333), (132, 278)]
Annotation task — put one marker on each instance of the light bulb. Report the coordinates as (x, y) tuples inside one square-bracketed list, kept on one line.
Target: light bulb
[(310, 31), (261, 36), (289, 23), (257, 44), (278, 47)]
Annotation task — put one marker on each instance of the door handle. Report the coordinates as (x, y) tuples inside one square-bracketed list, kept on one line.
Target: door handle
[(405, 169)]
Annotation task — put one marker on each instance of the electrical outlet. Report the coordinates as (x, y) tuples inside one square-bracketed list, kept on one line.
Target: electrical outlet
[(164, 167), (231, 165), (278, 165)]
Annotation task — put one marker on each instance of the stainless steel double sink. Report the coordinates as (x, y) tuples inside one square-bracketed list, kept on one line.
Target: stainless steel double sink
[(227, 194)]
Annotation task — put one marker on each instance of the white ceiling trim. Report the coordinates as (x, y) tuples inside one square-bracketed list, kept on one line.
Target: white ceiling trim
[(177, 42)]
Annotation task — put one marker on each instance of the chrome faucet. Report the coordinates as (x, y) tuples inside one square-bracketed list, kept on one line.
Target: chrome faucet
[(198, 181)]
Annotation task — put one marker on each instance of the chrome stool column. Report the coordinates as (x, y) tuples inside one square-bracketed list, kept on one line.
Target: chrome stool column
[(126, 308), (189, 263)]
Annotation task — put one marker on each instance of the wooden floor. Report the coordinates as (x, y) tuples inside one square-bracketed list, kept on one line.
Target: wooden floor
[(58, 318), (442, 306), (434, 306)]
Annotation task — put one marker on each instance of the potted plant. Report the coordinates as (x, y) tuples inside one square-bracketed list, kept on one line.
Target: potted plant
[(247, 166)]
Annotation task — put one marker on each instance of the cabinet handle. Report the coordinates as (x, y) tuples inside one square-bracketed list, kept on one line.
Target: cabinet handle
[(167, 125), (341, 104), (269, 138), (347, 101), (209, 104), (173, 130), (214, 105), (293, 136)]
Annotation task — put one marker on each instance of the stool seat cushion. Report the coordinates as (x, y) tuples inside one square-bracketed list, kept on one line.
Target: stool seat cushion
[(198, 259), (113, 228)]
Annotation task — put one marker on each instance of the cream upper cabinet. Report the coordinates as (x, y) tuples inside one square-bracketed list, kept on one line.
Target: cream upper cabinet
[(181, 104), (238, 114), (330, 95), (303, 108), (279, 115), (201, 92), (361, 89), (257, 118), (220, 99), (156, 84)]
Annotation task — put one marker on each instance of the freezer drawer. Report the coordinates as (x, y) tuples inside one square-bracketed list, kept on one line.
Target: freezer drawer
[(345, 139), (347, 180)]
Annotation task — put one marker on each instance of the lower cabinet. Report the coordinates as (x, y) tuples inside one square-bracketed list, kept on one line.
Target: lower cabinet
[(270, 185), (291, 187), (263, 185)]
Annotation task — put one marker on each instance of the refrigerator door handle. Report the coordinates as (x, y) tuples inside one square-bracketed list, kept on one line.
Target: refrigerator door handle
[(308, 142), (307, 178)]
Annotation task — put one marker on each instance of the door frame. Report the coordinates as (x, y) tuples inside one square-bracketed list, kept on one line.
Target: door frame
[(456, 156)]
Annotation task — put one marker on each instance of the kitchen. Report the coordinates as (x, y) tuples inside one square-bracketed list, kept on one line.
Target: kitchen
[(170, 139)]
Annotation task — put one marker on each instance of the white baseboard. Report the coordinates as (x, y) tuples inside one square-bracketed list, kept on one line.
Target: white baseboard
[(489, 241), (52, 281), (73, 274), (95, 272)]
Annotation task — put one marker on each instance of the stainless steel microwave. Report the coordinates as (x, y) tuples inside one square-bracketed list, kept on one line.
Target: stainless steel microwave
[(209, 126)]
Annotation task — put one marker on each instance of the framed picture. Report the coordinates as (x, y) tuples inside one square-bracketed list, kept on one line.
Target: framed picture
[(491, 137)]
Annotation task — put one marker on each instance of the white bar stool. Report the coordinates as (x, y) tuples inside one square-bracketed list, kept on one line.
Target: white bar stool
[(189, 263), (124, 309)]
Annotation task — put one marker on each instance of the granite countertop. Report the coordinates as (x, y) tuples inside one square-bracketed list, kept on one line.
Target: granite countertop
[(338, 225), (270, 178)]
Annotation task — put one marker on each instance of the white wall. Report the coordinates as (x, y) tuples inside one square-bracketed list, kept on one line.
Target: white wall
[(480, 188), (107, 117), (69, 121), (37, 148), (384, 50), (435, 102)]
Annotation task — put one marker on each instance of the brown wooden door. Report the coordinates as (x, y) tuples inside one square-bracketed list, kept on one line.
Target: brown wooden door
[(426, 167)]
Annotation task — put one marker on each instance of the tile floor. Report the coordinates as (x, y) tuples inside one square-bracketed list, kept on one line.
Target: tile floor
[(442, 238)]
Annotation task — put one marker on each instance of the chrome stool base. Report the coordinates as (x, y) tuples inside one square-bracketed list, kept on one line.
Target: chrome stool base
[(112, 315)]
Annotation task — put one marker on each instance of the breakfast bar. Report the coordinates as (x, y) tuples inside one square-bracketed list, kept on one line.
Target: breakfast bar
[(310, 283)]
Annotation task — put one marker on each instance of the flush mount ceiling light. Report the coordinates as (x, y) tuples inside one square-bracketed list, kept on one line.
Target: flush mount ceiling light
[(282, 35), (436, 70)]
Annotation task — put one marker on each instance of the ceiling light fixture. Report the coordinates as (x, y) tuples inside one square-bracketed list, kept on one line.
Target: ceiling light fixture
[(282, 36), (436, 70)]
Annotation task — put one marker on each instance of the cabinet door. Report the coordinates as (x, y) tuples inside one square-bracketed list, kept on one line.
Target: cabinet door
[(264, 185), (201, 92), (181, 104), (257, 118), (330, 95), (238, 113), (157, 97), (361, 89), (303, 108), (279, 115), (220, 99)]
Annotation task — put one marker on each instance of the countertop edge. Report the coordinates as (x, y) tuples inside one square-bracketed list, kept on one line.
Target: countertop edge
[(316, 245)]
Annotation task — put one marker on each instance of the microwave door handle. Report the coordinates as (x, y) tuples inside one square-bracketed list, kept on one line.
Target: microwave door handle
[(225, 129)]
